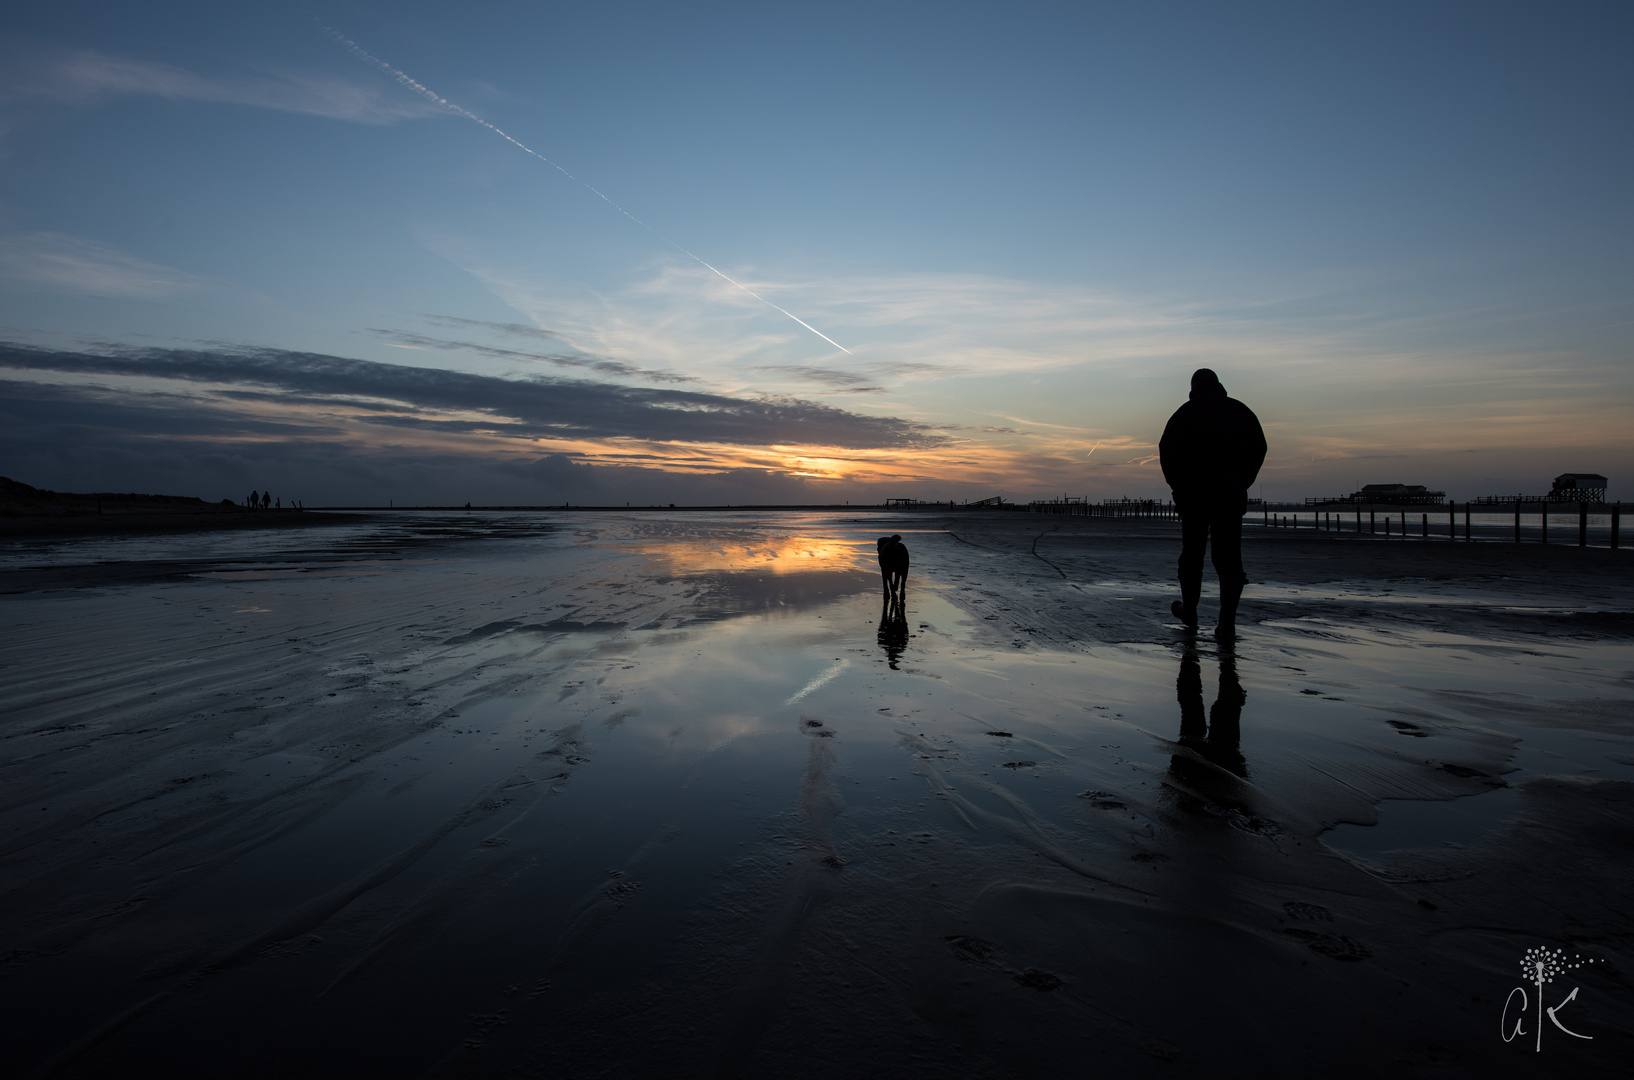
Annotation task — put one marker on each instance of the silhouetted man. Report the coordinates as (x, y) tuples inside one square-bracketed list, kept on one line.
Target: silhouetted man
[(1211, 450)]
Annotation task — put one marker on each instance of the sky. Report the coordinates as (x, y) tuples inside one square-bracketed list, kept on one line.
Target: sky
[(354, 253)]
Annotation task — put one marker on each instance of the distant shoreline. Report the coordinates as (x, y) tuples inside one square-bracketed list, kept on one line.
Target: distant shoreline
[(841, 507), (126, 522)]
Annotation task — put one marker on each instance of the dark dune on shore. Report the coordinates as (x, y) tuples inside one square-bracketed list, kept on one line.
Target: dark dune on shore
[(22, 500), (27, 511), (468, 794)]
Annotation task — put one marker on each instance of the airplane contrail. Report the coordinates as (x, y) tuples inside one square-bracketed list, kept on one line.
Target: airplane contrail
[(363, 54)]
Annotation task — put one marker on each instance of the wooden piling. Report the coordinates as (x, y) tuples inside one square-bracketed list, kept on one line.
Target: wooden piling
[(1616, 523), (1582, 525), (1517, 521)]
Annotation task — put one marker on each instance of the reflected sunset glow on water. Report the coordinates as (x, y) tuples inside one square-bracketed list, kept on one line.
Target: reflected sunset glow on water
[(773, 552)]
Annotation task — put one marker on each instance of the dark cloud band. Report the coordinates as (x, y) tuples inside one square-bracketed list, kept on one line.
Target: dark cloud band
[(534, 407)]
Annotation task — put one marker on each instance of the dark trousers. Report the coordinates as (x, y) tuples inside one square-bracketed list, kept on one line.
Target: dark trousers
[(1211, 522)]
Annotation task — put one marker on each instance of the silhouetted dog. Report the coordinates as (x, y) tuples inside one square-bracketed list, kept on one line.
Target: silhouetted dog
[(893, 565)]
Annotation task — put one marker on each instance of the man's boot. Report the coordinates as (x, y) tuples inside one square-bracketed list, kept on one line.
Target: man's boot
[(1185, 608)]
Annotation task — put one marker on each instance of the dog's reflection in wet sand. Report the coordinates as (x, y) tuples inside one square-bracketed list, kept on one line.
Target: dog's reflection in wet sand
[(893, 616)]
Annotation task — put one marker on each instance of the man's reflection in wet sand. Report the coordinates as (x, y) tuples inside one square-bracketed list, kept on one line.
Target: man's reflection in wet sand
[(893, 627), (1214, 736)]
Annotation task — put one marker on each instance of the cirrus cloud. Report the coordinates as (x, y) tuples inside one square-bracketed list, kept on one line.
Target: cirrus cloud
[(88, 76), (61, 262)]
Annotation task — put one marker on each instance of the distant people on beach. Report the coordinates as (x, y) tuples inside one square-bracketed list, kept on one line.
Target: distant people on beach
[(1211, 451), (893, 566), (255, 500)]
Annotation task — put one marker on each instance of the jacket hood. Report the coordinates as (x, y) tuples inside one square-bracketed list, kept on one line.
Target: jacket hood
[(1205, 384)]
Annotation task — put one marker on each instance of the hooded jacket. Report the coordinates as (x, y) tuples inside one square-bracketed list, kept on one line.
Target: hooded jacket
[(1213, 444)]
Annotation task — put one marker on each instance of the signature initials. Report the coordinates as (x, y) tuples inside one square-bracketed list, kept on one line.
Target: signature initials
[(1541, 964), (1510, 1033)]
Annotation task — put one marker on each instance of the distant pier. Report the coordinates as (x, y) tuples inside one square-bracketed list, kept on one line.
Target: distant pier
[(1403, 516), (1523, 520)]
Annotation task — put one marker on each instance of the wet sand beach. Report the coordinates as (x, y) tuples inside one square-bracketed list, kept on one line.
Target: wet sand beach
[(662, 794)]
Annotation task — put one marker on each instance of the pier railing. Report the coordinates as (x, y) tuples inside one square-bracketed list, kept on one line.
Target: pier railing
[(1434, 498), (1151, 509), (1542, 521)]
